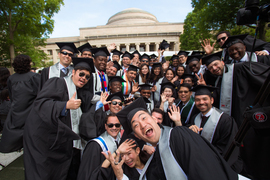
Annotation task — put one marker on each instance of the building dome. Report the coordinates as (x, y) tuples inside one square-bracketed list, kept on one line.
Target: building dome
[(132, 16)]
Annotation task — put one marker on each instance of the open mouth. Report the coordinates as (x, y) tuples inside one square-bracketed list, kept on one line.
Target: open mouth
[(149, 132)]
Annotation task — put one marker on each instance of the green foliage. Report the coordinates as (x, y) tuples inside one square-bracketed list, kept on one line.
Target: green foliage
[(210, 17), (25, 25)]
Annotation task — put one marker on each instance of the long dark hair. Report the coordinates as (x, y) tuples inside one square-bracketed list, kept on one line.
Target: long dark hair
[(153, 77), (180, 66), (145, 78)]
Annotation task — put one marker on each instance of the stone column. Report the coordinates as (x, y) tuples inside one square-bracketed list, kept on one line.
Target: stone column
[(147, 48), (137, 46), (176, 46), (127, 47), (157, 46)]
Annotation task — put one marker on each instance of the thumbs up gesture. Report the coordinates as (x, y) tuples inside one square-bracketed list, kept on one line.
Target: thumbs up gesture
[(73, 103)]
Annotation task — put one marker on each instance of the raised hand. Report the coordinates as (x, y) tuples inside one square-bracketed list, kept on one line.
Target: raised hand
[(163, 97), (111, 47), (154, 88), (103, 98), (126, 146), (207, 46), (174, 79), (201, 80), (73, 103), (135, 88), (149, 149), (175, 115), (171, 101)]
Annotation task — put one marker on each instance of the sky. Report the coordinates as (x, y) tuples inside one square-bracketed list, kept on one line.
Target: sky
[(77, 14)]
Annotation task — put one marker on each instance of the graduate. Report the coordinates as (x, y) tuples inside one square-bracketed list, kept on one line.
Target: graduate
[(183, 55), (146, 91), (62, 68), (115, 84), (129, 87), (86, 50), (175, 62), (114, 69), (126, 61), (116, 55), (180, 153), (52, 145)]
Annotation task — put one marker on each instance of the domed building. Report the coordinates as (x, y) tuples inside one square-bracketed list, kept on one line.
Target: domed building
[(131, 29)]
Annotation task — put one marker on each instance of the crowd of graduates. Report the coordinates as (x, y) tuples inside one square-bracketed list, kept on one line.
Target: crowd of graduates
[(100, 113)]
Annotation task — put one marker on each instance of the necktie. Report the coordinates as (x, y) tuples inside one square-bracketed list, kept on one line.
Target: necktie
[(130, 87), (64, 70), (117, 144), (204, 118)]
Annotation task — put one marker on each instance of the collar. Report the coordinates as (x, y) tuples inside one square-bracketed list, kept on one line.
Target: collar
[(61, 66), (118, 138), (209, 113), (245, 58)]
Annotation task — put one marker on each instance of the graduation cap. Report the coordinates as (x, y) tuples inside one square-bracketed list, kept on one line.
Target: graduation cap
[(125, 115), (174, 57), (212, 57), (203, 90), (84, 62), (85, 47), (153, 56), (155, 65), (116, 79), (233, 40), (167, 85), (185, 53), (70, 46), (116, 52), (136, 52), (191, 76), (164, 45), (197, 53), (127, 54), (116, 65), (102, 51), (117, 95), (145, 56), (132, 68), (193, 58), (145, 86)]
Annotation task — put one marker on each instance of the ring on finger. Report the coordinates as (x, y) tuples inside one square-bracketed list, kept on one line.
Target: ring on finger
[(116, 163)]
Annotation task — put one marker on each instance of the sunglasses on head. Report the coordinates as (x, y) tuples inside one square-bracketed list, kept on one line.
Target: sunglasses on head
[(223, 39), (82, 74), (115, 102), (117, 125), (66, 53)]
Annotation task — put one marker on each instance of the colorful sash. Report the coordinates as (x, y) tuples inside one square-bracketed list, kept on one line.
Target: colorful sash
[(126, 88)]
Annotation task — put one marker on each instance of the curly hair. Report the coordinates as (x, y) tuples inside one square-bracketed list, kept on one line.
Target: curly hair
[(4, 74), (22, 64)]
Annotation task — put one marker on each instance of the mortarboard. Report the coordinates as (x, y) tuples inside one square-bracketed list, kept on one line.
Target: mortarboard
[(116, 65), (85, 47), (167, 85), (191, 76), (193, 58), (136, 52), (132, 68), (68, 46), (203, 90), (155, 65), (125, 115), (102, 51), (185, 53), (127, 54), (145, 86), (116, 78), (163, 45), (117, 95), (84, 62), (153, 56), (116, 52), (197, 53), (233, 40), (174, 57), (145, 56), (212, 57)]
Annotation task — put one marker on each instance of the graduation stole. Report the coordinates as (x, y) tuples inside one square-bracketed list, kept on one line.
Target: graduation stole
[(54, 70), (210, 126), (104, 81), (126, 88), (170, 166), (75, 114), (187, 109)]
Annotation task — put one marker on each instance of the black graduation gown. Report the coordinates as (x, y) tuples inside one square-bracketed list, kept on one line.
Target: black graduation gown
[(23, 90), (131, 173), (45, 76), (90, 167), (197, 157), (48, 137)]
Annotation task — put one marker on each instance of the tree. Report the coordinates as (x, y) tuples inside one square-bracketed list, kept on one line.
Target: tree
[(211, 16), (25, 25)]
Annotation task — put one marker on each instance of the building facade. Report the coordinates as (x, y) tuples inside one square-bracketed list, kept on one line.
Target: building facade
[(129, 29)]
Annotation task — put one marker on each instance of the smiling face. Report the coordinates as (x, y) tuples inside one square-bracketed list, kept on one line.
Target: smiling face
[(146, 93), (78, 80), (132, 158), (114, 130), (115, 108), (216, 67), (180, 71), (100, 63), (184, 94), (169, 75), (87, 54), (182, 59), (144, 69), (237, 51), (115, 86), (157, 71), (204, 103), (112, 71), (131, 75), (222, 38), (145, 127), (175, 62), (126, 61), (65, 60), (194, 66)]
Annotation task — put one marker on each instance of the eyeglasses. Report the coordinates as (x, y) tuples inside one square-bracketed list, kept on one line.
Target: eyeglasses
[(145, 61), (223, 39), (82, 74), (117, 125), (183, 92), (66, 53), (115, 102)]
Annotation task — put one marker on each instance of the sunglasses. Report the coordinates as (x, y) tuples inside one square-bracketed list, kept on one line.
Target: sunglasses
[(66, 53), (145, 61), (183, 92), (82, 74), (115, 102), (117, 125), (223, 39)]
